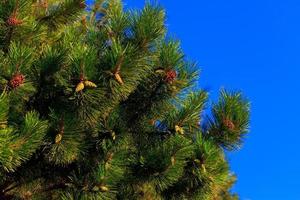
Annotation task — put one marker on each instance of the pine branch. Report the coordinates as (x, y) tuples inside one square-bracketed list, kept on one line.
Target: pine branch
[(230, 120), (4, 109), (17, 148), (62, 14)]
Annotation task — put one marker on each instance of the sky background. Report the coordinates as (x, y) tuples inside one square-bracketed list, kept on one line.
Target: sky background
[(253, 46)]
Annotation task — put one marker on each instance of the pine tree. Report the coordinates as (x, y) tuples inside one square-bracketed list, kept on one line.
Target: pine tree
[(98, 102)]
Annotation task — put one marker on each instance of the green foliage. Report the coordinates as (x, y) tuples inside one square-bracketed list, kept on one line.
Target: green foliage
[(3, 110), (205, 174), (117, 20), (187, 115), (71, 145), (162, 164), (19, 143), (103, 105), (60, 14), (148, 25), (230, 120)]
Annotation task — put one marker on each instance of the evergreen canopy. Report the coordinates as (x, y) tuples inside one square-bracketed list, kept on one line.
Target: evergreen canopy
[(101, 104)]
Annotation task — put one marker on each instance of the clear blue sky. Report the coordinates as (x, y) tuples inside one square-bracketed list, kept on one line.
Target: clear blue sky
[(254, 46)]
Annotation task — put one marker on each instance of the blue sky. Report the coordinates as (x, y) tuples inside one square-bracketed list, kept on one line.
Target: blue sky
[(252, 46)]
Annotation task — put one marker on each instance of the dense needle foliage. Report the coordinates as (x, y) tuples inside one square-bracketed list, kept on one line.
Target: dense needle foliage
[(99, 103)]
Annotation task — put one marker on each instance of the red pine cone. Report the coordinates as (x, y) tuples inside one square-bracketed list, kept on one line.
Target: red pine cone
[(170, 76), (229, 124), (82, 4), (17, 80), (13, 21)]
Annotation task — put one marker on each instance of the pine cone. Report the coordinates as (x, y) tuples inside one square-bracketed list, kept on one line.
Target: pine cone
[(13, 21), (152, 122), (58, 138), (90, 84), (170, 76), (103, 188), (119, 79), (173, 161), (229, 124), (82, 4), (17, 80), (79, 87), (179, 130)]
